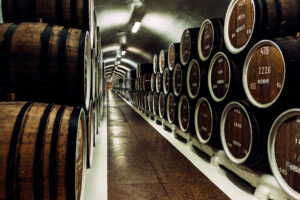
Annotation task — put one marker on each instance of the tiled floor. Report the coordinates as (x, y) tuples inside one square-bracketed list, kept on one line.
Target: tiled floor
[(143, 165)]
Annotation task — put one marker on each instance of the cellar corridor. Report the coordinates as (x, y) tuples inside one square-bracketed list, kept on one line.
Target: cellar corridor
[(144, 165)]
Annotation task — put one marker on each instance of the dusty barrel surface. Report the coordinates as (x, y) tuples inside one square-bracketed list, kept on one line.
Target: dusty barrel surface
[(207, 122), (45, 63), (166, 80), (177, 80), (224, 78), (243, 135), (171, 108), (250, 20), (155, 63), (270, 72), (188, 45), (173, 55), (163, 60), (73, 13), (211, 38), (283, 151), (43, 151)]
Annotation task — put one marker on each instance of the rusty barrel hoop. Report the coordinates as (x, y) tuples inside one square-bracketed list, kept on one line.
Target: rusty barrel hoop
[(188, 79), (177, 87), (250, 97), (180, 121)]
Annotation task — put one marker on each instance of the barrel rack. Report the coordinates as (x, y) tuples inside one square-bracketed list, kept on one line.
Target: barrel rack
[(236, 181)]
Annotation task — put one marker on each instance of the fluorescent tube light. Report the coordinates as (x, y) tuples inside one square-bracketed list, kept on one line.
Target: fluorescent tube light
[(136, 27)]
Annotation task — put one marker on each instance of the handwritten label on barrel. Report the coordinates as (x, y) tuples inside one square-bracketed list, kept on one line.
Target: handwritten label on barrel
[(241, 23), (237, 133), (287, 152), (204, 121), (265, 75), (220, 77)]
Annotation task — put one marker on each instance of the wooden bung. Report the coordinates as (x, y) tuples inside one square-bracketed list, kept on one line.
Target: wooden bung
[(248, 21), (72, 13), (283, 151), (210, 39), (45, 63), (43, 151), (188, 45), (270, 73), (224, 79), (173, 55)]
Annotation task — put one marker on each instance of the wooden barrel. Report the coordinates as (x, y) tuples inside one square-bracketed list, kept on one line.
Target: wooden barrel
[(242, 134), (207, 122), (144, 68), (283, 151), (171, 109), (173, 55), (132, 74), (155, 63), (96, 117), (42, 151), (150, 101), (166, 81), (210, 39), (162, 105), (72, 13), (224, 79), (184, 114), (93, 75), (145, 99), (158, 82), (153, 82), (270, 73), (90, 135), (196, 80), (98, 43), (97, 77), (188, 45), (247, 21), (155, 103), (177, 80), (45, 63), (147, 82), (163, 61)]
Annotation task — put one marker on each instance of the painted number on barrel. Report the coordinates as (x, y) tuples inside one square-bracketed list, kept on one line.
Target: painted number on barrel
[(265, 50), (264, 70)]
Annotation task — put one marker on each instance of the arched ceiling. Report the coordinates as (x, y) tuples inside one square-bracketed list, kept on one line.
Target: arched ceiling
[(162, 22)]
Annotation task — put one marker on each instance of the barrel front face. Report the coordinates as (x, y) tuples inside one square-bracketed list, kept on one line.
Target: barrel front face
[(264, 74), (205, 40), (193, 79), (185, 47), (236, 132), (153, 82), (172, 57), (177, 80), (162, 105), (150, 101), (239, 24), (166, 81), (184, 113), (171, 108), (155, 103), (219, 76), (284, 151), (158, 82), (203, 120), (155, 63), (162, 61), (90, 135)]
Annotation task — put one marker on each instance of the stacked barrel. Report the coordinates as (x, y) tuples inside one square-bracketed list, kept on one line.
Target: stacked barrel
[(50, 53), (233, 84)]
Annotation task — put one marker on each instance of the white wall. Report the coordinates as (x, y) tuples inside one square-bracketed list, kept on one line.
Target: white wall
[(1, 18)]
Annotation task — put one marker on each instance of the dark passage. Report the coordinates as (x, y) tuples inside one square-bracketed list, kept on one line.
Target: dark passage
[(143, 165)]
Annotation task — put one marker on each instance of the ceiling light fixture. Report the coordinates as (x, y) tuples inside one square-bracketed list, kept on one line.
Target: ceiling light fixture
[(123, 53), (136, 27)]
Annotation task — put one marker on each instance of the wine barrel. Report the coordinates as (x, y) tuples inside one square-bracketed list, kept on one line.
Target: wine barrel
[(224, 79), (155, 103), (73, 13), (136, 84), (143, 69), (162, 106), (98, 41), (173, 55), (177, 80), (147, 82), (243, 135), (150, 101), (247, 21), (42, 151), (96, 116), (163, 61), (97, 77), (283, 151), (93, 75), (210, 39), (185, 118), (45, 63), (270, 73), (158, 82), (207, 122), (90, 134), (155, 63), (196, 80), (188, 45), (145, 99), (166, 81), (153, 82), (171, 109), (132, 74)]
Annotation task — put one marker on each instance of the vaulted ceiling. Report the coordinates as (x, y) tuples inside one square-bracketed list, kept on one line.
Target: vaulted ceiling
[(162, 22)]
